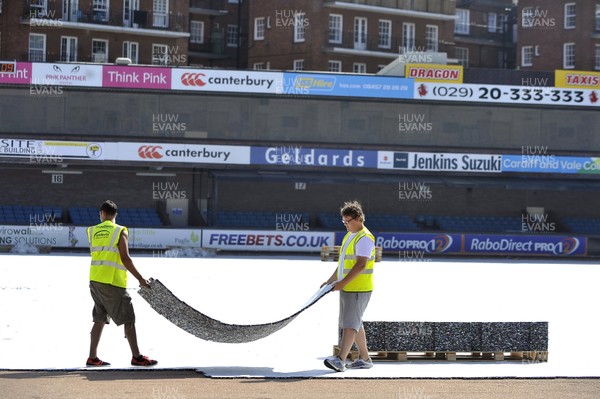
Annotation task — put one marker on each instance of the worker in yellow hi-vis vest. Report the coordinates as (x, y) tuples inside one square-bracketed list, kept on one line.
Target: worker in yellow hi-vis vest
[(354, 279), (108, 283)]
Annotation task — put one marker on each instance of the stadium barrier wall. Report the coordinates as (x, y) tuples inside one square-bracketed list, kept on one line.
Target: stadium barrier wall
[(407, 246)]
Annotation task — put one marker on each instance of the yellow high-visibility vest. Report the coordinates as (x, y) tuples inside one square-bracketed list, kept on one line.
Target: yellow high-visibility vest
[(107, 266), (364, 281)]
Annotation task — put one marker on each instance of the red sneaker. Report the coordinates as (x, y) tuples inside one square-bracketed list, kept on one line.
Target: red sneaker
[(142, 361), (96, 362)]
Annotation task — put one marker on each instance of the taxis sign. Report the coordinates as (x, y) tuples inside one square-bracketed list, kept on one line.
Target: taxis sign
[(577, 79)]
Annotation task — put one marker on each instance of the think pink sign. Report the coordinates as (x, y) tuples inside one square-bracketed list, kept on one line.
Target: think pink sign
[(21, 76), (136, 77)]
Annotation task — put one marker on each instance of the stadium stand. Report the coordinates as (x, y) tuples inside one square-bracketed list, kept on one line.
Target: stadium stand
[(270, 220), (131, 217), (30, 215), (489, 224), (375, 222), (582, 225)]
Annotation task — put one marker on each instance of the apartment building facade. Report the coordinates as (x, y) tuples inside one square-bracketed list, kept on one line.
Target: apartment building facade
[(484, 33), (560, 34), (99, 31), (345, 36)]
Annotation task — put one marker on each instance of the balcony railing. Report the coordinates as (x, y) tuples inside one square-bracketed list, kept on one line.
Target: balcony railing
[(392, 45), (136, 19)]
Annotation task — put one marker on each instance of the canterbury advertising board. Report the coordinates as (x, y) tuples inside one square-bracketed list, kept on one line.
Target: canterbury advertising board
[(225, 81), (577, 79), (434, 73), (66, 74), (500, 94), (184, 153), (262, 240), (440, 162)]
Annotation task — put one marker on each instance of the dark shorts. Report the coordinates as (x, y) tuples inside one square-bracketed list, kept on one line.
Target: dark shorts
[(352, 308), (111, 302)]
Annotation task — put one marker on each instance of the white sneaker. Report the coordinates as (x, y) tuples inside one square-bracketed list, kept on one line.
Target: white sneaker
[(335, 363), (361, 364)]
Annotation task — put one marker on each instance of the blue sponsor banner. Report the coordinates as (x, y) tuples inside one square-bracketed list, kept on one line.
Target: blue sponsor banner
[(525, 245), (346, 85), (550, 164), (417, 243), (320, 157)]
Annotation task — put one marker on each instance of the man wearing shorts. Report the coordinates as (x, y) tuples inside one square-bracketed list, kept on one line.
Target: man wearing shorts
[(108, 283), (354, 279)]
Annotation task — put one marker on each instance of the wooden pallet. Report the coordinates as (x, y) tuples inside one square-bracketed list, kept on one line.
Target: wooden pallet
[(333, 253), (401, 356)]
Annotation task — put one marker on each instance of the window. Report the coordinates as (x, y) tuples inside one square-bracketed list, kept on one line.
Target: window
[(462, 22), (570, 16), (597, 16), (431, 38), (298, 65), (359, 67), (527, 56), (232, 35), (299, 27), (259, 28), (160, 12), (70, 8), (131, 51), (197, 32), (68, 49), (334, 66), (259, 65), (160, 54), (37, 48), (527, 17), (462, 55), (100, 9), (360, 33), (569, 55), (335, 28), (129, 7), (597, 58), (38, 8), (99, 51), (492, 22), (385, 34), (408, 36), (503, 26)]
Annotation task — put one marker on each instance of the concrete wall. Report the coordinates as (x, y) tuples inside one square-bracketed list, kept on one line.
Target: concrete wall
[(98, 115)]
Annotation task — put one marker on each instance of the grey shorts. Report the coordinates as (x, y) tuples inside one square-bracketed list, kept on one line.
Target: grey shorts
[(352, 308), (111, 302)]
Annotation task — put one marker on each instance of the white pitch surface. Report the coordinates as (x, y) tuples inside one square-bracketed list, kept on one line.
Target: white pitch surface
[(45, 313)]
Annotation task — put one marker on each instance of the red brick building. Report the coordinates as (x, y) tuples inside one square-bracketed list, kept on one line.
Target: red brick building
[(559, 34), (483, 33), (146, 31), (345, 36)]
